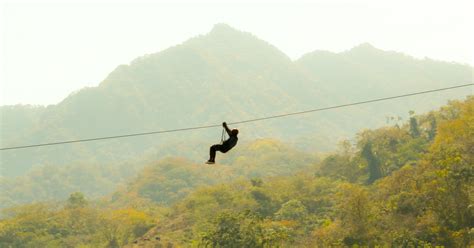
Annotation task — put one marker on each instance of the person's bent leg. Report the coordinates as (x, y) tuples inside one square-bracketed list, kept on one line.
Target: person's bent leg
[(212, 152)]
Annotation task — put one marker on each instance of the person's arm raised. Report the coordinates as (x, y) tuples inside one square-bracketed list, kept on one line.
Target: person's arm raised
[(226, 128)]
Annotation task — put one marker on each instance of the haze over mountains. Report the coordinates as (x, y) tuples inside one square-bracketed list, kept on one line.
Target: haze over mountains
[(224, 75)]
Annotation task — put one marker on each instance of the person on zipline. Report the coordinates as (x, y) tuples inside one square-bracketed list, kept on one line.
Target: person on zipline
[(225, 146)]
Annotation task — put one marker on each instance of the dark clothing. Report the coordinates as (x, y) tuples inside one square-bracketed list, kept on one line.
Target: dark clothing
[(212, 152), (225, 147), (229, 143)]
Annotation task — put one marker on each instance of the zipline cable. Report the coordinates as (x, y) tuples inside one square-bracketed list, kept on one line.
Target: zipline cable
[(353, 104), (237, 122)]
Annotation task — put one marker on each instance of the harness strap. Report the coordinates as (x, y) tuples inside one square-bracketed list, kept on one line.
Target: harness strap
[(223, 135)]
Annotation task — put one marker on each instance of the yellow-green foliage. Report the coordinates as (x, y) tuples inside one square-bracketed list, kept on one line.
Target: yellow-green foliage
[(423, 198), (74, 224), (171, 179)]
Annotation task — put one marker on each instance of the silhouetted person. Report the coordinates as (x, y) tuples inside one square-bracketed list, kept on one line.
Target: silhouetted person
[(225, 146)]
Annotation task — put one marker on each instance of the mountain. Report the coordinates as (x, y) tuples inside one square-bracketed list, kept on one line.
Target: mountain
[(380, 72), (268, 194), (223, 75)]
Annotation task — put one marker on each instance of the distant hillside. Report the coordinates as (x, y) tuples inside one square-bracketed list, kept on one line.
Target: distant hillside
[(408, 185), (422, 197), (167, 181), (223, 75), (163, 181)]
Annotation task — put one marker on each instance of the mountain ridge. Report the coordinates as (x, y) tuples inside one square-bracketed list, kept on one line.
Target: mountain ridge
[(223, 75)]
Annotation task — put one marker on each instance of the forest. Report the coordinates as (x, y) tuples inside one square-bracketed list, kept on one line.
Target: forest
[(408, 184)]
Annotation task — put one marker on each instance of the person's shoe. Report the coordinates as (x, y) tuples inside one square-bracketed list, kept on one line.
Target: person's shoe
[(210, 162)]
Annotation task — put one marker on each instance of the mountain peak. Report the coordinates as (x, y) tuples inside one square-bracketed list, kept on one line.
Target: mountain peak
[(364, 47), (241, 44), (223, 28)]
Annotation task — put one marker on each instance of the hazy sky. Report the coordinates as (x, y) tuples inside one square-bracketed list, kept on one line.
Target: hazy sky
[(49, 50)]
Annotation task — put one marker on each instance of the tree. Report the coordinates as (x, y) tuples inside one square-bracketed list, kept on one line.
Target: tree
[(292, 210), (373, 163), (227, 232), (245, 229), (432, 128), (77, 200), (354, 212), (452, 156), (414, 131)]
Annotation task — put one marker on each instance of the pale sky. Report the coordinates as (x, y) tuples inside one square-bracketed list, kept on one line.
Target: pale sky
[(49, 50)]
